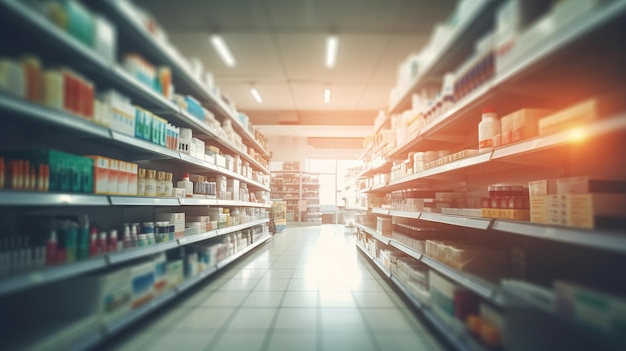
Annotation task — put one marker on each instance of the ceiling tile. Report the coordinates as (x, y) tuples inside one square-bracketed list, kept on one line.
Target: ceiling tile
[(275, 96), (311, 96), (374, 98)]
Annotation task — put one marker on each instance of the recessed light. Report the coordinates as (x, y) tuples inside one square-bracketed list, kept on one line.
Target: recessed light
[(256, 95), (326, 95), (332, 44), (222, 50)]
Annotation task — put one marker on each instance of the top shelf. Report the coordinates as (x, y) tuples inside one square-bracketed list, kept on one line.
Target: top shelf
[(549, 63), (453, 52), (122, 14), (107, 73)]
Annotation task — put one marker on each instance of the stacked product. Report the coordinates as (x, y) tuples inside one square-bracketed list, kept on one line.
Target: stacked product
[(413, 275), (467, 256), (587, 202), (506, 202)]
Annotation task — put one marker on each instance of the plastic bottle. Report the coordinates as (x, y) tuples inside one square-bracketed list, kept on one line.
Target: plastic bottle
[(141, 182), (151, 184), (128, 241), (51, 248), (103, 246), (160, 184), (113, 242), (168, 185), (187, 185), (488, 128), (93, 242)]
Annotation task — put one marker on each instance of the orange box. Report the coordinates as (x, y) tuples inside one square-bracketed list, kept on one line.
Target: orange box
[(132, 178), (122, 178), (114, 175), (101, 168)]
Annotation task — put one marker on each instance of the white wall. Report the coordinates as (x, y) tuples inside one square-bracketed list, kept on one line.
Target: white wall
[(287, 148)]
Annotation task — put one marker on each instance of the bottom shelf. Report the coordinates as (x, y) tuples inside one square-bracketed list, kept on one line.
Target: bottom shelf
[(89, 332), (459, 339)]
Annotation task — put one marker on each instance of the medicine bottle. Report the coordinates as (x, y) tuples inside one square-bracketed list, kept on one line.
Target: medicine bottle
[(488, 128), (151, 183), (141, 182)]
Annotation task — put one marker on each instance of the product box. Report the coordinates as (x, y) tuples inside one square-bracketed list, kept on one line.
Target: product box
[(53, 95), (587, 184), (175, 218), (132, 178), (122, 179), (160, 274), (514, 214), (114, 293), (175, 274), (595, 210), (204, 220), (557, 210), (525, 123), (114, 176), (539, 209), (143, 124), (12, 77), (159, 131), (142, 283), (442, 293), (232, 186), (105, 38), (123, 118), (220, 160), (582, 113), (100, 174)]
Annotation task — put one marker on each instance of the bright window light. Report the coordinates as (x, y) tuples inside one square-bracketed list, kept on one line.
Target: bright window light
[(332, 43), (256, 95), (326, 95), (220, 46)]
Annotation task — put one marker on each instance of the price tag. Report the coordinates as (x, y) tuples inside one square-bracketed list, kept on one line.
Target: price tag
[(182, 241), (551, 232)]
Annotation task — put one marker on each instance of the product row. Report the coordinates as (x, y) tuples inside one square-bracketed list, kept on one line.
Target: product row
[(67, 239), (101, 35), (51, 170), (593, 313), (110, 298)]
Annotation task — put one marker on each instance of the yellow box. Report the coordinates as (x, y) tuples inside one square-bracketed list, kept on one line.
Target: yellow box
[(583, 210)]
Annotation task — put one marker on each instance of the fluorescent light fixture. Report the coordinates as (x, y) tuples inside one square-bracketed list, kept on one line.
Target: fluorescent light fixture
[(220, 46), (326, 95), (256, 95), (332, 43)]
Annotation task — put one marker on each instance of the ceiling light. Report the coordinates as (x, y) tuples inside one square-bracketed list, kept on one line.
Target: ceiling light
[(332, 43), (220, 46), (326, 95), (256, 95)]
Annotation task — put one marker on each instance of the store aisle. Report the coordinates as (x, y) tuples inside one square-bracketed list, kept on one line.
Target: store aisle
[(308, 289)]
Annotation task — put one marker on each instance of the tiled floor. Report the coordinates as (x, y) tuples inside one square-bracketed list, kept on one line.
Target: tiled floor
[(307, 289)]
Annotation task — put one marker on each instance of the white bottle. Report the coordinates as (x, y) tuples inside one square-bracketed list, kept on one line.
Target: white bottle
[(186, 184), (151, 184), (488, 129)]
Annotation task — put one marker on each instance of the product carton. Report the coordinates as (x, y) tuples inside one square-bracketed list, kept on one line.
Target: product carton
[(595, 210), (132, 178), (160, 274), (101, 174), (587, 184), (142, 283), (114, 294), (176, 218)]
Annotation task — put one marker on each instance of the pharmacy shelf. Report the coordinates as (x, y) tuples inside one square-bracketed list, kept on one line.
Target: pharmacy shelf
[(228, 203), (16, 106), (48, 275), (613, 241), (462, 341), (158, 52), (481, 287), (139, 252), (467, 111), (380, 211), (384, 168), (405, 214), (233, 258), (407, 250), (190, 201), (467, 222), (143, 201), (170, 295), (383, 239), (459, 46), (27, 198), (109, 72), (204, 165)]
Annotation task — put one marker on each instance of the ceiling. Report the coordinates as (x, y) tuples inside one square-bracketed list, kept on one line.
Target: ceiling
[(279, 46)]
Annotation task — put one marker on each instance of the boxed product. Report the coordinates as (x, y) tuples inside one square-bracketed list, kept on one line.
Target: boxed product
[(12, 79), (587, 184), (114, 293), (100, 174), (232, 186), (175, 274), (160, 274), (595, 210), (557, 210), (176, 218), (142, 283), (105, 38), (538, 192), (582, 113)]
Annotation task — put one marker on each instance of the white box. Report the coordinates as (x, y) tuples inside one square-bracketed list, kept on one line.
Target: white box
[(176, 218), (220, 160), (142, 283)]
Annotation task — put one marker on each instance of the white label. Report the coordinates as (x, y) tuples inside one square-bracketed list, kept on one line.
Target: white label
[(150, 189)]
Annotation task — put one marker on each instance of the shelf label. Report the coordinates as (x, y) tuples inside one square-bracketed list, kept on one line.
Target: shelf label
[(550, 232), (182, 241), (35, 277)]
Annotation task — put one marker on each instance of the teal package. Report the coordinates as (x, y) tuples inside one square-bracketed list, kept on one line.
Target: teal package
[(87, 171)]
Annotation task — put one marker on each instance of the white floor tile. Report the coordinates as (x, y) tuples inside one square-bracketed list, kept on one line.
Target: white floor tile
[(297, 318), (301, 299), (387, 319), (205, 319), (303, 285), (284, 341), (336, 299), (248, 341), (284, 273), (353, 341), (366, 285), (235, 284), (399, 341), (225, 299), (367, 299), (250, 273), (252, 318), (342, 320), (264, 299), (189, 341), (277, 284)]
